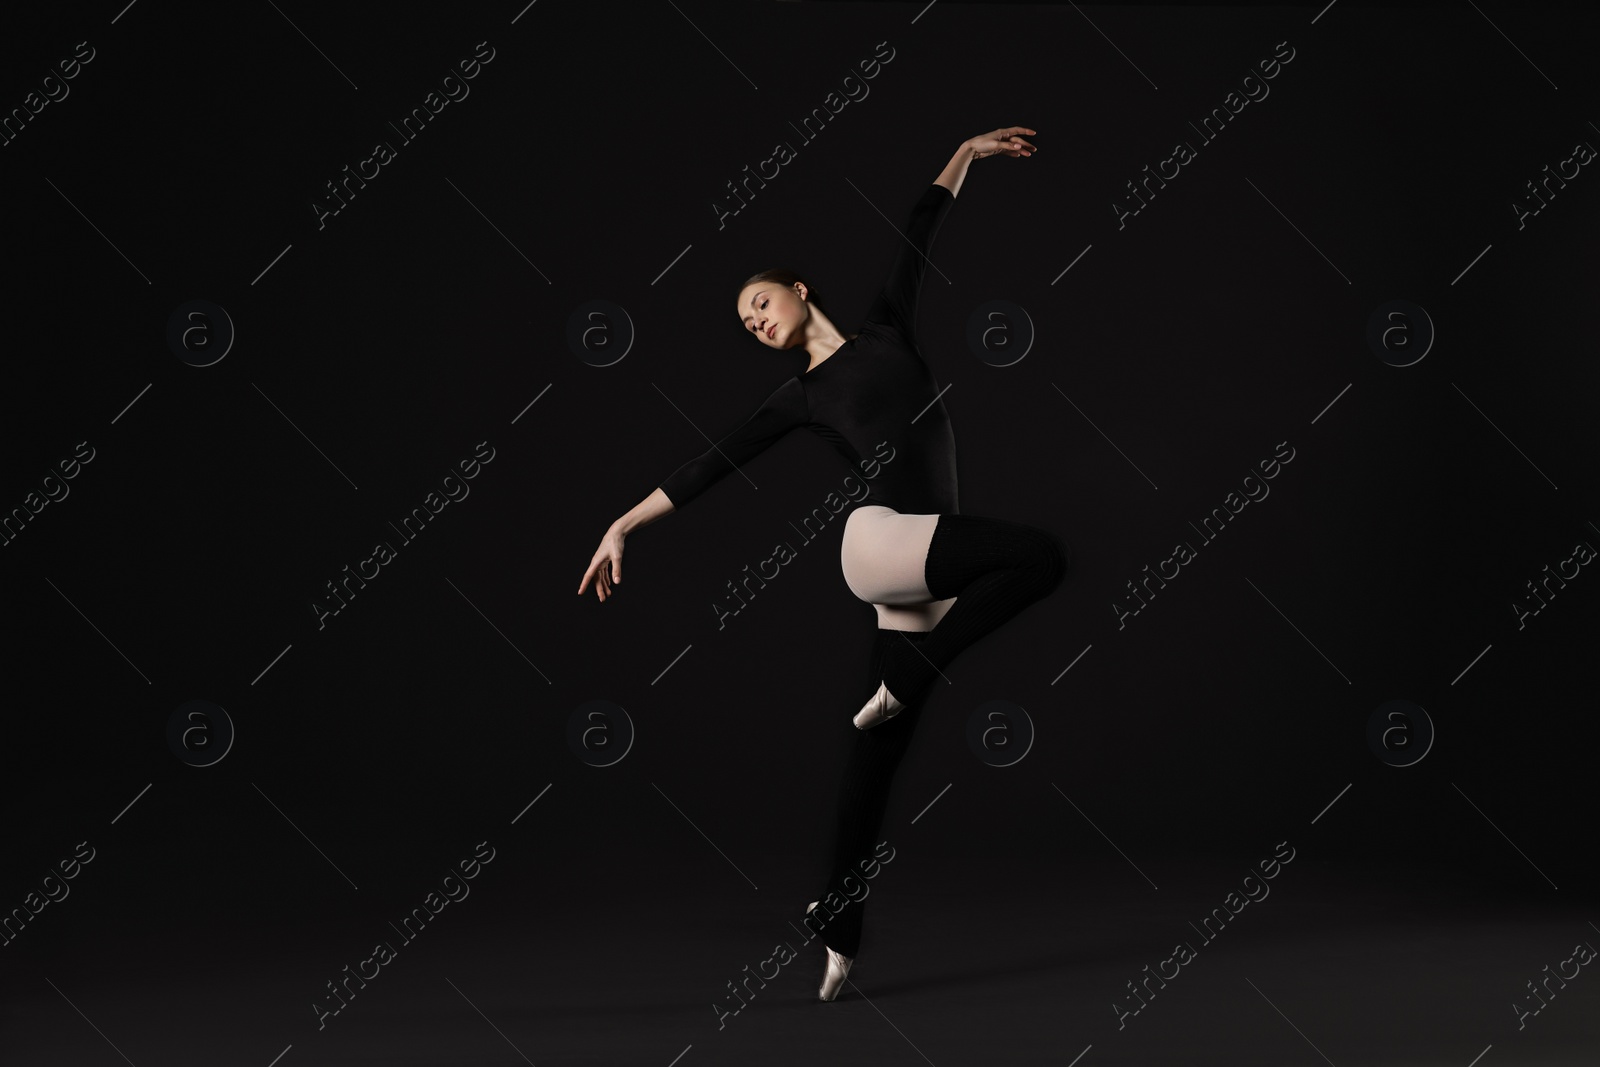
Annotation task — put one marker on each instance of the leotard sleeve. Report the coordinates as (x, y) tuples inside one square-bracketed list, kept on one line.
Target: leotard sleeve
[(781, 412), (896, 305)]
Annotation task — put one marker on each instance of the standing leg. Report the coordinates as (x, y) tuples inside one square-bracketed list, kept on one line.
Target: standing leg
[(882, 557), (863, 798), (887, 560), (994, 569)]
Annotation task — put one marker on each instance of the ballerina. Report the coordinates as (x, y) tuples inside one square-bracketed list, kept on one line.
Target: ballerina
[(938, 580)]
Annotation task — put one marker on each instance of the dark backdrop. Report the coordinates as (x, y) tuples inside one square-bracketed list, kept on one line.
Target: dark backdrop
[(374, 349)]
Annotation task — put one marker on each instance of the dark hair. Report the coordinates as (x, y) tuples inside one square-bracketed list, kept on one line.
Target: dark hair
[(786, 278)]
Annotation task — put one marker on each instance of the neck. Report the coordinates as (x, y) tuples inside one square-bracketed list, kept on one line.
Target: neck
[(823, 338)]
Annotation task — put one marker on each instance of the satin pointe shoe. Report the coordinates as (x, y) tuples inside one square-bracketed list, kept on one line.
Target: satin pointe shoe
[(838, 969), (881, 708)]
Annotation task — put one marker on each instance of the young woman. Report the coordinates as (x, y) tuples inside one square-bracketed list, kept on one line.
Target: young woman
[(938, 579)]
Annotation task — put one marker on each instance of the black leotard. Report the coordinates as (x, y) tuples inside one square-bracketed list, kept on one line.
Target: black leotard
[(874, 399)]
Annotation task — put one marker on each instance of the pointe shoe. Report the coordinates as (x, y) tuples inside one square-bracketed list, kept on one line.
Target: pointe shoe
[(882, 707), (838, 969)]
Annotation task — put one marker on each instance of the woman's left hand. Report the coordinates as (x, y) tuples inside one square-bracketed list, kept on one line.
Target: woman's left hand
[(1004, 140)]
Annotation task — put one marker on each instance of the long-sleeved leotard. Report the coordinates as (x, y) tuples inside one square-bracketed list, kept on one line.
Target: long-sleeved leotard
[(872, 395), (874, 399)]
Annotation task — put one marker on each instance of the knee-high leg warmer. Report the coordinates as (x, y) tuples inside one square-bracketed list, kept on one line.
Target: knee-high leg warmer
[(873, 758), (994, 569)]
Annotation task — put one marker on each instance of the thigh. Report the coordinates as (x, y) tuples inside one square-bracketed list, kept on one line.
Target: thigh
[(884, 553), (883, 556)]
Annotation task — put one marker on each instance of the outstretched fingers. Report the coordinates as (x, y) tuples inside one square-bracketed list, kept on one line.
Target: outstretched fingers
[(1010, 140), (600, 573), (1015, 144)]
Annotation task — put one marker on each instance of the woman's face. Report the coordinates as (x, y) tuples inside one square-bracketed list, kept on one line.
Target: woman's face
[(773, 313)]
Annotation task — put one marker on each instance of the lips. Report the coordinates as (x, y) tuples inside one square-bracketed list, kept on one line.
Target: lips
[(772, 331)]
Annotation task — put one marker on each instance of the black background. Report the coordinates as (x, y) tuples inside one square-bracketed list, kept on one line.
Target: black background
[(1175, 354)]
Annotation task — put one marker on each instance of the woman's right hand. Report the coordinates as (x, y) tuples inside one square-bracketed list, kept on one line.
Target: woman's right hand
[(606, 567)]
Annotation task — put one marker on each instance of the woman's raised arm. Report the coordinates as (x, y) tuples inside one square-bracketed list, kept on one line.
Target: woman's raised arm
[(1006, 139), (896, 305)]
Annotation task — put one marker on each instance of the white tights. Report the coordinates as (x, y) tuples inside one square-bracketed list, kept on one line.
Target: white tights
[(883, 557)]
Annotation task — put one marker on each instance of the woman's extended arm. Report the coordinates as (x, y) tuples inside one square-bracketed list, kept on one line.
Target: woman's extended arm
[(781, 412), (784, 410), (646, 511)]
